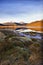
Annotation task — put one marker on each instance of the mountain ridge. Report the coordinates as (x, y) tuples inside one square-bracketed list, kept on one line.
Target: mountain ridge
[(36, 25)]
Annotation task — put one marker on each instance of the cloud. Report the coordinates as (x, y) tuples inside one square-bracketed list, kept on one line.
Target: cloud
[(21, 10)]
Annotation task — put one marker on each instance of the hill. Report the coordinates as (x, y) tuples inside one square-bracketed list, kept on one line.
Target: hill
[(36, 26)]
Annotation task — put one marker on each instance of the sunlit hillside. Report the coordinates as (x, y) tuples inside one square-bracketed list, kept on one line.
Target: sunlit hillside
[(36, 25)]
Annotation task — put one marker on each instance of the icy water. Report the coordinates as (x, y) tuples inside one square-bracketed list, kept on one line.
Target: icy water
[(37, 36)]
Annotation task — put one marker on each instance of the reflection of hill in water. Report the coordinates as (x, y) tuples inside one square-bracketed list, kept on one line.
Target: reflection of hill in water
[(36, 26)]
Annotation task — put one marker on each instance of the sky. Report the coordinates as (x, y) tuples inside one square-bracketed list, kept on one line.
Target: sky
[(21, 10)]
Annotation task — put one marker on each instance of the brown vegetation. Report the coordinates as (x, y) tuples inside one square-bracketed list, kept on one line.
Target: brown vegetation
[(17, 50)]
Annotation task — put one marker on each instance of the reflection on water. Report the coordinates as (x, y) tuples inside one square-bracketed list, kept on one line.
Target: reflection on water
[(36, 35), (28, 33)]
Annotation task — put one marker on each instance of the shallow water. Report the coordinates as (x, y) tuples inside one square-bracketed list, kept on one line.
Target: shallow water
[(37, 36)]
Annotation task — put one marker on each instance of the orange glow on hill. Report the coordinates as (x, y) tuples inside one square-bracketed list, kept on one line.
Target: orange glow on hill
[(37, 26)]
